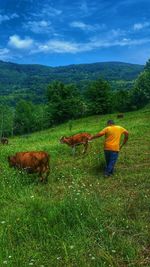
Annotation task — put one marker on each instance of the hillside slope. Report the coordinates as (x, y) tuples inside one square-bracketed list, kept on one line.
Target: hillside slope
[(17, 77), (79, 218)]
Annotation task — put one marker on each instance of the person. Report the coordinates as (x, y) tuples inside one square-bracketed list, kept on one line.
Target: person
[(112, 144)]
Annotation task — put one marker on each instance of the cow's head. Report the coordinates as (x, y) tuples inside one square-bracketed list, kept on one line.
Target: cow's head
[(62, 139), (12, 161)]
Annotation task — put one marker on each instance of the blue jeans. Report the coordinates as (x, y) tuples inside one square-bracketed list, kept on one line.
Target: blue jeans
[(111, 158)]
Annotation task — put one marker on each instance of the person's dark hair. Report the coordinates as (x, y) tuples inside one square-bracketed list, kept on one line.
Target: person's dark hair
[(110, 122)]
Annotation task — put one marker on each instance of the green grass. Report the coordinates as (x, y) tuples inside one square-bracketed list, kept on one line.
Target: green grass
[(79, 218)]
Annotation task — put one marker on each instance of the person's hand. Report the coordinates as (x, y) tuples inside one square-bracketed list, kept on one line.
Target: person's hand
[(121, 147)]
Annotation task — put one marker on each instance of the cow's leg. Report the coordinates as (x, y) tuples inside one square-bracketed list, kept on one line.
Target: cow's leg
[(41, 178), (47, 171), (47, 174), (40, 174), (85, 147), (73, 150), (44, 173)]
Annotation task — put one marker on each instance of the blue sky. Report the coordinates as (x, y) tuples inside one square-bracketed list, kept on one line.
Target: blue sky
[(64, 32)]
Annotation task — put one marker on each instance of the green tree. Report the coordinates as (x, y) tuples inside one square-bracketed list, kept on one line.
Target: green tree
[(64, 102), (121, 100), (6, 120), (147, 66), (41, 117), (24, 117), (141, 91), (98, 97)]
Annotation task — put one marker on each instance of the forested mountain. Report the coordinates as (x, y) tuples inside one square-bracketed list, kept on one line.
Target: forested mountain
[(32, 80)]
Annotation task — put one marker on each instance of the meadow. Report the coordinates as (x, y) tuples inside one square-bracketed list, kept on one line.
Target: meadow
[(79, 218)]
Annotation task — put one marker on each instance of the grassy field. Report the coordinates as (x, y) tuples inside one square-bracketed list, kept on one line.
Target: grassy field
[(79, 218)]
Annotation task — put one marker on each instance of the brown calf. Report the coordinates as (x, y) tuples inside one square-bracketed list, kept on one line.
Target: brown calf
[(32, 162), (4, 141), (77, 139), (119, 116)]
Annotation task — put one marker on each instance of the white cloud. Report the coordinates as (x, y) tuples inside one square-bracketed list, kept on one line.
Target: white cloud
[(84, 7), (16, 42), (47, 12), (7, 17), (41, 26), (140, 26), (4, 53), (58, 46), (50, 11), (107, 40), (121, 42), (85, 27)]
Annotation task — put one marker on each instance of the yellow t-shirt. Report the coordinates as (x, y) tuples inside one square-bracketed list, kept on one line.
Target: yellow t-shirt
[(112, 137)]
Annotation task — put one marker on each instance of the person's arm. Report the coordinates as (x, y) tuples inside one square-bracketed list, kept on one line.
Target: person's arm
[(98, 135), (126, 136)]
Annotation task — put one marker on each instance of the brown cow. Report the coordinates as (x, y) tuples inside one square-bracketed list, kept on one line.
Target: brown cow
[(4, 141), (32, 162), (77, 139), (119, 116)]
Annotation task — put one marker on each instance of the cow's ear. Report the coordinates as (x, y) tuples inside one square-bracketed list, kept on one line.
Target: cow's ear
[(61, 139)]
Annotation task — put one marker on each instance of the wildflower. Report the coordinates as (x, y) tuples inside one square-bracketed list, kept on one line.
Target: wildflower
[(2, 222), (93, 258), (9, 256), (71, 247)]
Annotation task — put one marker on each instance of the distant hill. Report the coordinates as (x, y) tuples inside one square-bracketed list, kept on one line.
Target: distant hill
[(32, 80)]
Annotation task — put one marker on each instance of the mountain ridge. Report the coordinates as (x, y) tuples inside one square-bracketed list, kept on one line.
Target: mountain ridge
[(34, 78)]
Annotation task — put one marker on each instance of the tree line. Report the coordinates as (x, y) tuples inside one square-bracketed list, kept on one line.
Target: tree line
[(65, 102)]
